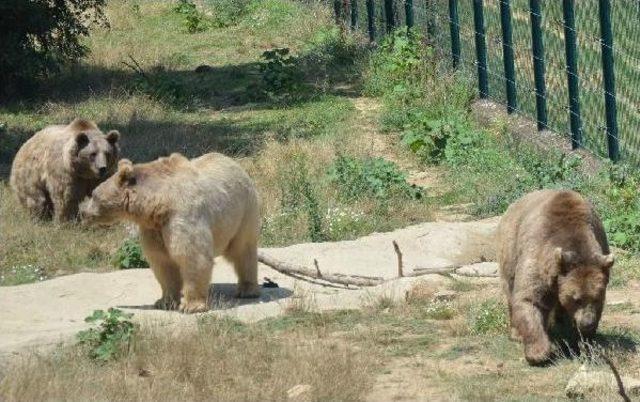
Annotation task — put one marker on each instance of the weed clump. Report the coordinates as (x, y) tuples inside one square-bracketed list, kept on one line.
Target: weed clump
[(112, 335), (489, 317), (129, 255)]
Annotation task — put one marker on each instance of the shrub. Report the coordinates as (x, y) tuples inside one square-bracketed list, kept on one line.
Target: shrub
[(112, 335), (489, 317), (435, 140), (621, 208), (281, 78), (194, 20), (129, 255), (40, 36), (400, 56), (373, 177), (227, 12), (299, 195)]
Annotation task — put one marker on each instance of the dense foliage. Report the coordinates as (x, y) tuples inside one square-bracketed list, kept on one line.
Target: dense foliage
[(39, 36)]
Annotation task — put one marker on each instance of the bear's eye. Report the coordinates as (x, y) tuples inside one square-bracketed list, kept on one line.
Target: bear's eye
[(577, 300), (93, 155)]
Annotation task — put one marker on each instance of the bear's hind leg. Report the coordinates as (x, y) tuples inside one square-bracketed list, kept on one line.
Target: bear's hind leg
[(38, 203), (166, 271), (243, 255)]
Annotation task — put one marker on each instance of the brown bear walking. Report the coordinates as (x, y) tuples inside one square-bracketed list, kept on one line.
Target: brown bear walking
[(554, 258), (188, 212), (60, 165)]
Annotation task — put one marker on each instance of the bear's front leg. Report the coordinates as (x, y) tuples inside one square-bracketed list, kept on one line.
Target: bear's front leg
[(166, 271), (529, 321), (65, 204), (189, 244), (196, 277)]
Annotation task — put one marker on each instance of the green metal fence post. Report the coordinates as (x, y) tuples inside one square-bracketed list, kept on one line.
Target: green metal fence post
[(408, 11), (389, 15), (454, 26), (371, 20), (507, 55), (354, 14), (430, 10), (337, 9), (538, 63), (481, 48), (571, 50), (609, 80)]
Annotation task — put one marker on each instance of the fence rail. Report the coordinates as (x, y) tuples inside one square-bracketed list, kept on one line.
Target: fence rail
[(556, 61)]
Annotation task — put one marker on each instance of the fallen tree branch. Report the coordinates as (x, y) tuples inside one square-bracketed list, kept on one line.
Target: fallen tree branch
[(314, 275), (399, 254), (299, 270), (616, 374)]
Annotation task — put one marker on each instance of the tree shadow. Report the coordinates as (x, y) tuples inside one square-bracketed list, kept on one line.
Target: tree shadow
[(204, 87), (144, 140), (222, 297)]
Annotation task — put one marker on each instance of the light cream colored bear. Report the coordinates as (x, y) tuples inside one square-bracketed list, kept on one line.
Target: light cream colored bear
[(60, 165), (188, 212)]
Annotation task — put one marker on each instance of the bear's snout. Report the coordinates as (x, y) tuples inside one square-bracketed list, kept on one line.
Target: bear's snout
[(102, 172), (586, 322)]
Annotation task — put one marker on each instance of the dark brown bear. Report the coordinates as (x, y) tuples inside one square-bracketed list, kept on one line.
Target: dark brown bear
[(554, 262)]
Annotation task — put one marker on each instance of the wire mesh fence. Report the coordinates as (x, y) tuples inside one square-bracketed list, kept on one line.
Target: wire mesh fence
[(572, 65)]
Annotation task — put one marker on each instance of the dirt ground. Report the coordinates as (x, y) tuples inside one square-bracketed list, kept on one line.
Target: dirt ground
[(52, 311)]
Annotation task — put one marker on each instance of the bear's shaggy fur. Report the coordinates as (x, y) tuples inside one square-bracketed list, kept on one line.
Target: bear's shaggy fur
[(554, 263), (60, 165), (188, 212)]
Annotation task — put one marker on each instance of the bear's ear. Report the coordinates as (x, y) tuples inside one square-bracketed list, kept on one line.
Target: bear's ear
[(564, 259), (605, 261), (82, 125), (82, 140), (125, 173), (113, 137)]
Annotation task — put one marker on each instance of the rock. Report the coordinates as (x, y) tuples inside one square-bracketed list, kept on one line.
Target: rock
[(300, 393), (588, 383), (444, 296), (486, 269)]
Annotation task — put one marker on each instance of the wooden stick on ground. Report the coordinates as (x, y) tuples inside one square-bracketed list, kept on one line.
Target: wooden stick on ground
[(616, 374), (399, 254), (299, 270)]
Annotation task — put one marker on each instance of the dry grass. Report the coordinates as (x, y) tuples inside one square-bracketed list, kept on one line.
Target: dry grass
[(396, 343), (31, 250), (224, 360)]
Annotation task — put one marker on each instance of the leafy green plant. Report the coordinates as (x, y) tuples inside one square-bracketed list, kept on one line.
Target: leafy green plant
[(129, 255), (621, 210), (434, 140), (374, 177), (280, 76), (489, 317), (112, 334), (400, 55), (299, 194), (227, 12), (194, 20)]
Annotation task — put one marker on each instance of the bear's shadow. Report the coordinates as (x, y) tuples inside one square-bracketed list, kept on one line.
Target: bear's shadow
[(570, 347), (222, 297)]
